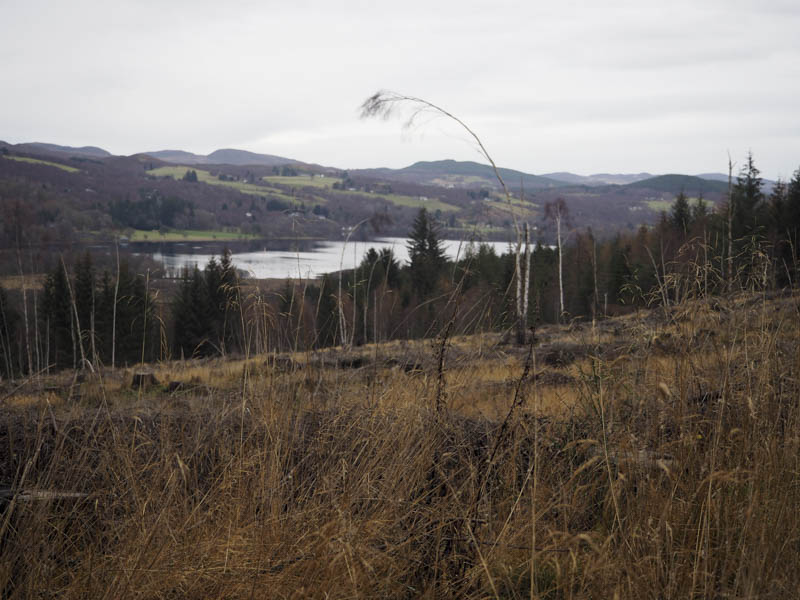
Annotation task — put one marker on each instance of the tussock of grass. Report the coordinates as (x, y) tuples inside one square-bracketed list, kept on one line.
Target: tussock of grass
[(666, 466)]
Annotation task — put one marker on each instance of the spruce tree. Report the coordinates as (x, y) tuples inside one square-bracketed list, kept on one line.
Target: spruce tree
[(190, 316), (57, 320), (748, 201), (681, 214), (9, 320), (84, 297), (793, 213), (425, 253)]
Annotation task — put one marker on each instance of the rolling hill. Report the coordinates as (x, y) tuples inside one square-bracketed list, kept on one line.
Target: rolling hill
[(83, 151), (452, 173), (674, 184), (598, 178), (225, 156)]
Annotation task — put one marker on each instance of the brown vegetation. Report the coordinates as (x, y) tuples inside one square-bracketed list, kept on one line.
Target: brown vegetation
[(659, 460)]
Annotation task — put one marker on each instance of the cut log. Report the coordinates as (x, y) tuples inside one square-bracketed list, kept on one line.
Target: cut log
[(29, 495), (143, 380)]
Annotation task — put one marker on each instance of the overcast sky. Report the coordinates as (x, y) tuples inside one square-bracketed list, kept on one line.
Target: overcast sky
[(585, 87)]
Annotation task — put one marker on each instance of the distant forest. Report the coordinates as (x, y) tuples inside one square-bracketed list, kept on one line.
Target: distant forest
[(113, 317)]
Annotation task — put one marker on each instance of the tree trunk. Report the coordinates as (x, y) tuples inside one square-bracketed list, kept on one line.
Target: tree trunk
[(560, 268), (520, 323), (114, 315), (25, 314), (730, 224), (527, 286)]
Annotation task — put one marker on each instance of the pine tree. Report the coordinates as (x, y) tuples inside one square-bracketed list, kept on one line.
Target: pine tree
[(9, 320), (748, 201), (190, 315), (425, 254), (84, 299), (793, 213), (57, 320), (681, 214), (700, 209), (327, 314), (104, 311), (135, 322)]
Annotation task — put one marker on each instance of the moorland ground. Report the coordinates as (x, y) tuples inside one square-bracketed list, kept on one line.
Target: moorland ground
[(651, 455)]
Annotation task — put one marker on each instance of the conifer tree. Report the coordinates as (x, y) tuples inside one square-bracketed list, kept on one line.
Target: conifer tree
[(681, 214), (84, 299), (748, 201), (9, 320), (57, 320), (191, 321), (793, 213), (425, 254)]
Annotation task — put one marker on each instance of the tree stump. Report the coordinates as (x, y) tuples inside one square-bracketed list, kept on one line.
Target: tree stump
[(143, 380)]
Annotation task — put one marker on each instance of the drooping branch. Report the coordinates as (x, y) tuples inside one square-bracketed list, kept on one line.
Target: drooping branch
[(385, 104)]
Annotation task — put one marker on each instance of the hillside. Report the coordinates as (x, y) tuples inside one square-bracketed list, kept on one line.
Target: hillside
[(674, 184), (80, 197), (225, 156), (459, 173), (598, 178), (85, 151)]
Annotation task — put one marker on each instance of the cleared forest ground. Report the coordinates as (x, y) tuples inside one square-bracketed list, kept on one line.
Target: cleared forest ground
[(652, 455)]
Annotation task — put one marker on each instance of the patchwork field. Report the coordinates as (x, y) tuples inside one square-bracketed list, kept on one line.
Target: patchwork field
[(188, 235), (47, 163), (177, 172), (301, 181)]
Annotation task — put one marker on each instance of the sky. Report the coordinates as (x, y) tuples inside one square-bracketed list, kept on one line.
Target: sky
[(586, 87)]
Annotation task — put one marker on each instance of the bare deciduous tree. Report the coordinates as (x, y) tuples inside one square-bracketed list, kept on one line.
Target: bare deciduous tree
[(384, 104), (558, 213)]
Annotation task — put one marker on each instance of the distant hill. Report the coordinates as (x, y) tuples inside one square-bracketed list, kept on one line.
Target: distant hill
[(715, 176), (674, 184), (78, 196), (178, 156), (767, 187), (452, 173), (226, 156), (88, 151), (598, 178)]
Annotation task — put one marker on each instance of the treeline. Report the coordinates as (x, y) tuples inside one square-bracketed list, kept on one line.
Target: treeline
[(79, 320), (749, 242)]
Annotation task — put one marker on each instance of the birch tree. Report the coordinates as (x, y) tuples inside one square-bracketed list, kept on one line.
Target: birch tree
[(558, 213), (384, 104)]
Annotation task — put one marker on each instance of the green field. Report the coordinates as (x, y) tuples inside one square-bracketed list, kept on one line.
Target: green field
[(302, 181), (463, 180), (432, 204), (659, 205), (44, 162), (519, 208), (188, 235), (178, 172), (206, 177)]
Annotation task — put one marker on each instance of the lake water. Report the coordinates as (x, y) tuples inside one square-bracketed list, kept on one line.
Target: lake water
[(311, 262)]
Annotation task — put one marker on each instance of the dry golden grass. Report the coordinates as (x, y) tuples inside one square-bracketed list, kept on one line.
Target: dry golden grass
[(648, 458)]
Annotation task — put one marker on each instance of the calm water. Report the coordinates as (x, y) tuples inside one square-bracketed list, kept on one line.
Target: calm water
[(311, 262)]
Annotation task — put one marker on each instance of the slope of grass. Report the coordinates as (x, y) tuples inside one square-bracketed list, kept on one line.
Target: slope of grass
[(37, 161), (177, 172), (659, 205), (302, 181), (654, 455), (432, 204), (187, 235)]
